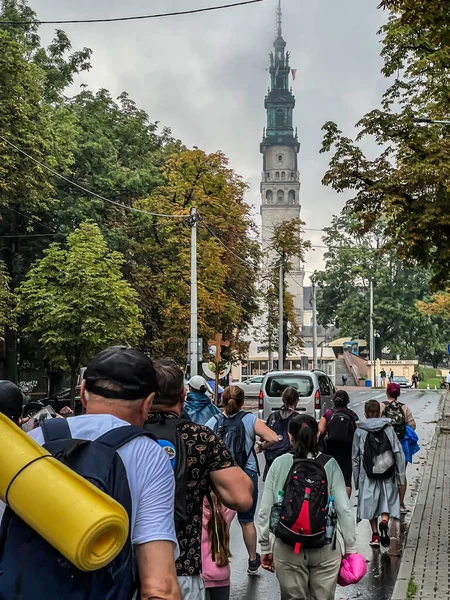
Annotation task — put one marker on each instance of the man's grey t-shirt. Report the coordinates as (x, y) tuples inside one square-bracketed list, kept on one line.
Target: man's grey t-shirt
[(149, 473)]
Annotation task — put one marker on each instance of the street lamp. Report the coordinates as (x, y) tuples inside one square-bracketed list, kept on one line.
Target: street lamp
[(432, 121)]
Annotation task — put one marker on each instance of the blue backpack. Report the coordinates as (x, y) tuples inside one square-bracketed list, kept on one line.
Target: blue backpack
[(231, 430), (30, 568)]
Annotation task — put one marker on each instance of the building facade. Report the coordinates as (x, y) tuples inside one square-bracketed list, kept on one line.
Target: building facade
[(280, 184)]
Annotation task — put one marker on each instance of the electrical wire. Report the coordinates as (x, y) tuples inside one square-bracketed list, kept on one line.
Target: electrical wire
[(206, 226), (80, 187), (133, 18)]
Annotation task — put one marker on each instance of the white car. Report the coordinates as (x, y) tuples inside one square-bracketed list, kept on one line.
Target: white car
[(251, 386)]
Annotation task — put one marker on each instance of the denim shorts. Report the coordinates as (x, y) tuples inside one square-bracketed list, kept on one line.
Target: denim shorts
[(249, 516)]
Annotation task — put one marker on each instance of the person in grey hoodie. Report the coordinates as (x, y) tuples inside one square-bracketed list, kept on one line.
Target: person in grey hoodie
[(377, 497)]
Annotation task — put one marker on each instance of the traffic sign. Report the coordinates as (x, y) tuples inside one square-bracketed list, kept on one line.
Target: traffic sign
[(448, 348)]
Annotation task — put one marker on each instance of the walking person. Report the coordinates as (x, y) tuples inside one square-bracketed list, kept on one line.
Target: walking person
[(216, 572), (118, 387), (383, 378), (391, 376), (378, 471), (198, 405), (337, 428), (308, 482), (448, 381), (200, 460), (279, 421), (238, 429), (400, 415), (344, 379), (415, 380)]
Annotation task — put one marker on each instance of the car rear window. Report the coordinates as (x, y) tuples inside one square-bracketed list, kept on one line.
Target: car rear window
[(276, 385)]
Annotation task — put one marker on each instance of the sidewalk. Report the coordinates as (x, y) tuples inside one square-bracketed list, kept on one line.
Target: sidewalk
[(425, 568)]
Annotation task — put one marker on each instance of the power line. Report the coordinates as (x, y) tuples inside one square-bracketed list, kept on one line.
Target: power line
[(133, 18), (206, 226), (80, 187)]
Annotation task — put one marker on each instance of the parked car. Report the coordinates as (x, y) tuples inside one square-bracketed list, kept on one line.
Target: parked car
[(251, 386), (402, 381), (315, 388), (57, 401)]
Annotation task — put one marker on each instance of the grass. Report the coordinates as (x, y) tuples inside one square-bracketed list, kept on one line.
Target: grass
[(412, 589), (433, 381)]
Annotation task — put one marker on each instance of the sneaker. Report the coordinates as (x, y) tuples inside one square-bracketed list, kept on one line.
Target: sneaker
[(375, 543), (253, 565), (403, 509), (384, 536)]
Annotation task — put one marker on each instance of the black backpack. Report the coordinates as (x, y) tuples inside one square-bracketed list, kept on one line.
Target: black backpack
[(231, 430), (394, 411), (378, 457), (167, 433), (30, 568), (303, 516), (340, 428), (281, 428)]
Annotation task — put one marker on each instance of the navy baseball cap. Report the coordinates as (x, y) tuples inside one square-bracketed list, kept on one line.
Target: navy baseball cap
[(130, 370)]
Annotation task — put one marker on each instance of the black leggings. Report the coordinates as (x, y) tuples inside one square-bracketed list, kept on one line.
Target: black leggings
[(218, 593)]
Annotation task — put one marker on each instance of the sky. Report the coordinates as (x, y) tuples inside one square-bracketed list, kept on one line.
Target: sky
[(204, 76)]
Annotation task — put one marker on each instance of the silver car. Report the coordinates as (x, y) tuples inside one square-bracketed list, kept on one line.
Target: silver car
[(251, 386), (315, 389)]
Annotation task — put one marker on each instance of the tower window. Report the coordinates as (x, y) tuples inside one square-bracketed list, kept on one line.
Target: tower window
[(280, 196), (283, 176), (277, 175), (291, 197), (267, 176), (269, 197), (279, 118), (293, 176), (280, 158)]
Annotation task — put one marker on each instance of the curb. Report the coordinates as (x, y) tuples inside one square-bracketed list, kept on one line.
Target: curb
[(406, 569)]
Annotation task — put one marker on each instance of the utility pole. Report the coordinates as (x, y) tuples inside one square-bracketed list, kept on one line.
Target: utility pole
[(314, 311), (372, 337), (281, 317), (193, 359)]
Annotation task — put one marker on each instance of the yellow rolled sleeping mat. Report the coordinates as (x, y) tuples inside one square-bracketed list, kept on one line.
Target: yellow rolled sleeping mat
[(85, 525)]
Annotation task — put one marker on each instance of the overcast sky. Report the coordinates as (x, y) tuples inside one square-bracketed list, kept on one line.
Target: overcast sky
[(204, 76)]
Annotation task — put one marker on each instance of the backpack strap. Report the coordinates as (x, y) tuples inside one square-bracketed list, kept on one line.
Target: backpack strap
[(322, 459), (118, 437), (55, 430)]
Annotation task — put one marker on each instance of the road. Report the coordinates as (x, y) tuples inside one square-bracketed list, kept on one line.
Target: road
[(382, 567)]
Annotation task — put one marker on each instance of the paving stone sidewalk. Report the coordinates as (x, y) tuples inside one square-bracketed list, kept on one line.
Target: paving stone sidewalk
[(425, 566)]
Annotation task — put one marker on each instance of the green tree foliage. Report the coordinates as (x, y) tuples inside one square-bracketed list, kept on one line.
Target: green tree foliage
[(160, 267), (7, 304), (287, 244), (351, 261), (77, 302), (408, 182)]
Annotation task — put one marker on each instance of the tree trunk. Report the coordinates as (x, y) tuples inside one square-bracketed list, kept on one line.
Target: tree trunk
[(11, 355), (55, 379)]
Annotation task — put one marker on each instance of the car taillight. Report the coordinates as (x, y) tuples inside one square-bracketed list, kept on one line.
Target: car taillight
[(261, 401), (317, 400)]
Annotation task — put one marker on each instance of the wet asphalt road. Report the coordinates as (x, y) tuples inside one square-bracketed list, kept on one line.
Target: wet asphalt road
[(382, 567)]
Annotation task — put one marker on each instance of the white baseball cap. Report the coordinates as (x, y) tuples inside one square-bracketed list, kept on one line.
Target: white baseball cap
[(198, 383)]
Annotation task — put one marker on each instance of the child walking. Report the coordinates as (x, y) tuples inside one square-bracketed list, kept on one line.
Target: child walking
[(216, 539), (378, 470)]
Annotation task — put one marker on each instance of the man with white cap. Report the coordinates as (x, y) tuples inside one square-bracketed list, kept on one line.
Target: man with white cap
[(198, 404)]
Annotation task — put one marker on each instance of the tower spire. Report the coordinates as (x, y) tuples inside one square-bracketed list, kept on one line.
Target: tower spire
[(279, 19)]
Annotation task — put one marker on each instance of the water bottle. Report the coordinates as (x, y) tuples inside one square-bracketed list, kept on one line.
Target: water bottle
[(331, 521), (275, 513)]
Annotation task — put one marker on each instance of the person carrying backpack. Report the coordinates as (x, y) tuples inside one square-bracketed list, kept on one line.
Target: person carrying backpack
[(201, 461), (198, 405), (400, 415), (307, 488), (378, 470), (279, 421), (108, 447), (336, 429), (238, 429)]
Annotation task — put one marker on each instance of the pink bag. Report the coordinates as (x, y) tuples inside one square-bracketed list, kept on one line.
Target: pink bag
[(353, 569)]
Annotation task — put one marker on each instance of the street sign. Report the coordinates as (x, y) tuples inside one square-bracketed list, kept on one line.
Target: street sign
[(448, 348)]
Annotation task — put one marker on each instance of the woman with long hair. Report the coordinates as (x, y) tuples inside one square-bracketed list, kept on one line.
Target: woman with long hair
[(306, 574), (233, 415), (216, 553), (336, 430)]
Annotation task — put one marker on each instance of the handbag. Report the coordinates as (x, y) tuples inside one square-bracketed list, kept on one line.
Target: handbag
[(353, 569)]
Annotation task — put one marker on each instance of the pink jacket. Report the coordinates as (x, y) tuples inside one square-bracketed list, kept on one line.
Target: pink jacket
[(213, 575)]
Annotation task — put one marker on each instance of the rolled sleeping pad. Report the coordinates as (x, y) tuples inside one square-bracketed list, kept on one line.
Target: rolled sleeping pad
[(84, 524)]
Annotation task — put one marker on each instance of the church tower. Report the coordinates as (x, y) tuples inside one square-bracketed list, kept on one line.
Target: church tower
[(280, 185)]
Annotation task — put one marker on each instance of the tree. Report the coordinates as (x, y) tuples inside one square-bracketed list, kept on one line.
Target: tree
[(407, 182), (228, 255), (77, 302), (7, 304), (351, 262), (287, 244)]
